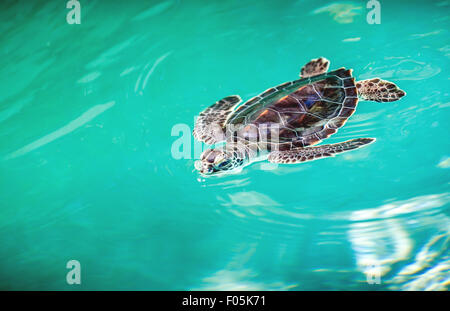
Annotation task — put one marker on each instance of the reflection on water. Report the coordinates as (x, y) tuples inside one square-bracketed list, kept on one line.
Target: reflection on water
[(146, 73), (386, 237), (341, 13), (66, 129), (430, 269), (389, 238), (444, 163), (236, 280), (405, 69), (428, 205)]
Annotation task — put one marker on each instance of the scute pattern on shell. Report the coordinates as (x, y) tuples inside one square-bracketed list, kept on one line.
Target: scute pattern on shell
[(305, 116)]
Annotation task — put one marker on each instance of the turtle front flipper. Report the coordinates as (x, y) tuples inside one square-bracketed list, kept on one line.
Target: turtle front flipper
[(379, 90), (209, 126), (298, 155), (315, 67)]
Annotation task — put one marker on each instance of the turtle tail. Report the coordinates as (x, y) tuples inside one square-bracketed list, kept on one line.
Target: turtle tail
[(379, 90)]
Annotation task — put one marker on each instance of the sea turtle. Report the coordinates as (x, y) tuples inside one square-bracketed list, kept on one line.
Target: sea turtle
[(282, 123)]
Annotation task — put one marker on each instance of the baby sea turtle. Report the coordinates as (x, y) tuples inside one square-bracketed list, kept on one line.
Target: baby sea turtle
[(282, 123)]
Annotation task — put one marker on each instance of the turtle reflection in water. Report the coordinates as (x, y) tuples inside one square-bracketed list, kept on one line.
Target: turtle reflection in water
[(284, 122)]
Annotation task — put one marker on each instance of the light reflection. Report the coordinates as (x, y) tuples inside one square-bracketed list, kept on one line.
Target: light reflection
[(343, 13), (380, 243), (379, 237), (418, 204), (239, 280)]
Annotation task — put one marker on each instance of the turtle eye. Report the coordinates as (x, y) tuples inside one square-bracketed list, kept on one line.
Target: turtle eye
[(223, 164)]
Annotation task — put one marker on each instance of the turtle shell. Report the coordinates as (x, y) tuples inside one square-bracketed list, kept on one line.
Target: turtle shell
[(304, 111)]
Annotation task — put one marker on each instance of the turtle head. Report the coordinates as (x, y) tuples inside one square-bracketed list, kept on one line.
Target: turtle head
[(214, 161)]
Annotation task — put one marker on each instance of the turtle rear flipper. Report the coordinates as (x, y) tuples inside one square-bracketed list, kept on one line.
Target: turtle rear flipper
[(209, 126), (379, 90), (298, 155), (315, 67)]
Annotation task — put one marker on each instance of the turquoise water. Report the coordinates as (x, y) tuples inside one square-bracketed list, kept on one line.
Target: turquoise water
[(88, 172)]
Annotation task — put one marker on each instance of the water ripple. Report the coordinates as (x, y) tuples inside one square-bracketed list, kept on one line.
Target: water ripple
[(68, 128), (343, 13), (404, 69)]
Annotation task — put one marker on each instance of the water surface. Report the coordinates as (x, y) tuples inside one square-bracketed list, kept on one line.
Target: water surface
[(87, 171)]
